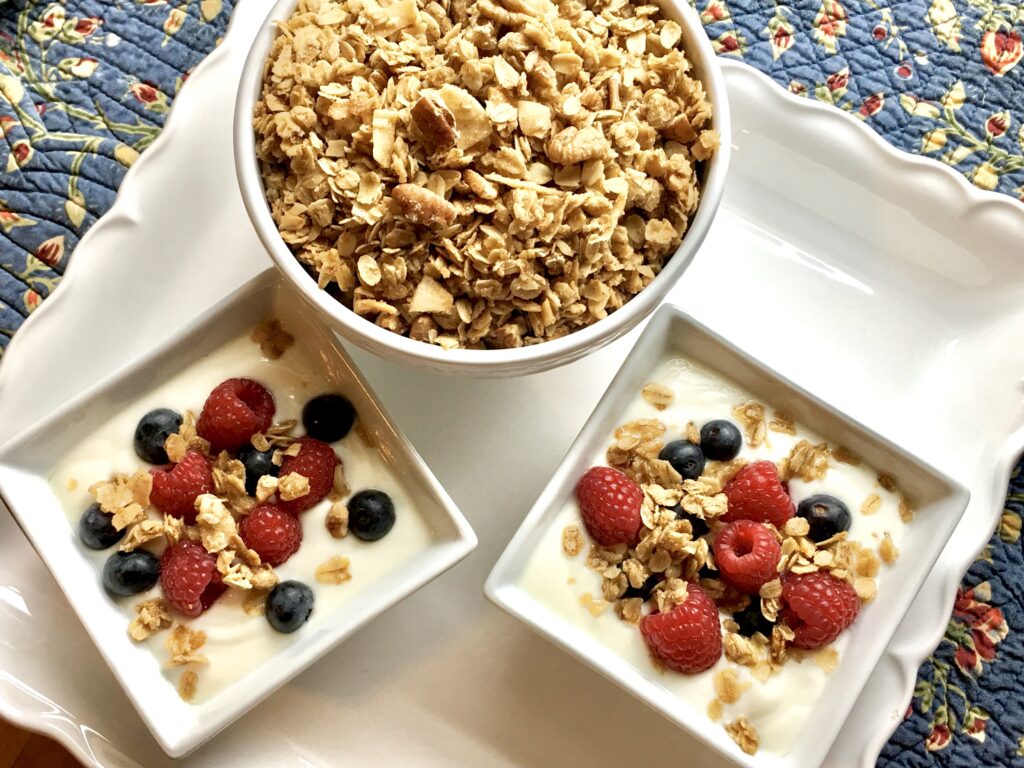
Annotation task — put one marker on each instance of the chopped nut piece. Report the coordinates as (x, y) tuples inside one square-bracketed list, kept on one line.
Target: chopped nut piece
[(797, 526), (292, 486), (572, 540), (334, 571), (187, 684), (744, 734), (572, 145), (421, 206), (337, 520), (266, 487), (273, 340), (151, 616), (436, 124), (430, 296)]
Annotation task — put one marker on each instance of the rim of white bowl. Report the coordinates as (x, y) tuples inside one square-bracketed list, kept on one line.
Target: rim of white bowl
[(533, 357)]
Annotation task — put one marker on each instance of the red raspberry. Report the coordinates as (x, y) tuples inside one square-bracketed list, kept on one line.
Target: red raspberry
[(271, 532), (610, 506), (757, 494), (688, 638), (235, 410), (175, 490), (747, 555), (817, 607), (316, 461), (189, 578)]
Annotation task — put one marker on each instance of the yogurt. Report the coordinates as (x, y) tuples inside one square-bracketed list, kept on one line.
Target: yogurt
[(779, 707), (236, 642)]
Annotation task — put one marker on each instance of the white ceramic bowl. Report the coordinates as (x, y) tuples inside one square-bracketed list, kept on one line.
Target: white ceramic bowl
[(27, 465), (941, 502), (491, 362)]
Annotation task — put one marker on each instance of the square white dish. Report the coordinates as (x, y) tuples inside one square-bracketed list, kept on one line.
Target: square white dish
[(843, 243), (673, 334), (28, 487)]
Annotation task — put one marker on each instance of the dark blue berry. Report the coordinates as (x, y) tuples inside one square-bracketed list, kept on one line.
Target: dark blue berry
[(152, 431), (686, 458), (370, 514), (699, 526), (128, 573), (257, 464), (289, 605), (328, 417), (96, 529), (720, 440), (826, 515), (751, 620), (644, 591)]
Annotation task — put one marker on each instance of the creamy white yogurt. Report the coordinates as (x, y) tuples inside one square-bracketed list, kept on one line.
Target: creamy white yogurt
[(779, 707), (237, 642)]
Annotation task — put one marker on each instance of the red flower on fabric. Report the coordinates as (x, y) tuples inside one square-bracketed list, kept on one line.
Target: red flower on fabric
[(985, 625), (1001, 50), (872, 105), (838, 81), (87, 25), (997, 124), (146, 93), (938, 739), (51, 251)]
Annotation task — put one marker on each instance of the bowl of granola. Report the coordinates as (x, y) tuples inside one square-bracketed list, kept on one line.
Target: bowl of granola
[(728, 548), (494, 188)]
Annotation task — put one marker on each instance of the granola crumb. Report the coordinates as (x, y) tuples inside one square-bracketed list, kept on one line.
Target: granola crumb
[(183, 644), (72, 484), (744, 734), (657, 395), (844, 455), (572, 540), (871, 504), (125, 497), (596, 606), (782, 422), (292, 486), (272, 339), (827, 659), (187, 684), (888, 482), (255, 603), (151, 616), (906, 509), (714, 710), (751, 415), (334, 571), (866, 588), (728, 686), (887, 550), (337, 520), (266, 487)]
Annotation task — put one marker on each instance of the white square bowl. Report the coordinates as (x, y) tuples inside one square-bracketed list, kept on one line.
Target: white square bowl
[(28, 460), (941, 502)]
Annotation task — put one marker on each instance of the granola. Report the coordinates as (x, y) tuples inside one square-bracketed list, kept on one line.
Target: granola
[(482, 175)]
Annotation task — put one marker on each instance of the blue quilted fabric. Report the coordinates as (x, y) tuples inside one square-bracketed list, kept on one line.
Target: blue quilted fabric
[(85, 86)]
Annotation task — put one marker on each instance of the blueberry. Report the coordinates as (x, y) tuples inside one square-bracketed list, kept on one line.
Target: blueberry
[(720, 440), (686, 458), (128, 573), (96, 529), (370, 514), (826, 514), (257, 464), (289, 605), (644, 591), (699, 526), (328, 417), (751, 620), (151, 433)]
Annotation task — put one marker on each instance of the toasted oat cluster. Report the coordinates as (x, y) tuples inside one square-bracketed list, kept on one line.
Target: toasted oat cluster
[(676, 539), (482, 174)]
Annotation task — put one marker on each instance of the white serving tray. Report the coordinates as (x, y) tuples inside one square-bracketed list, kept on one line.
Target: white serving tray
[(883, 282)]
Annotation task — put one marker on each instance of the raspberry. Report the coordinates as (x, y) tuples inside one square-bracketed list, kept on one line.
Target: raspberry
[(610, 506), (757, 494), (817, 607), (747, 554), (235, 410), (189, 578), (175, 490), (316, 461), (688, 638), (271, 532)]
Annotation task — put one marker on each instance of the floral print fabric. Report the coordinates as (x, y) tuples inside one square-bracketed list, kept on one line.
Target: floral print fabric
[(85, 86)]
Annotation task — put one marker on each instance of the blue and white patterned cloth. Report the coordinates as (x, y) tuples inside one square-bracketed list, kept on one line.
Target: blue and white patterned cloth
[(85, 86)]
